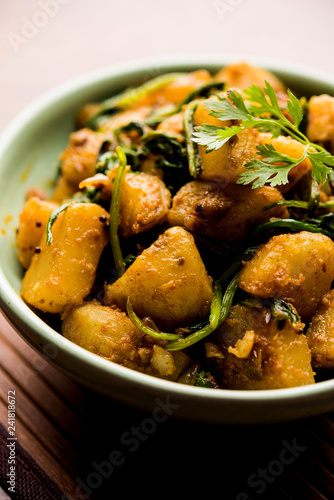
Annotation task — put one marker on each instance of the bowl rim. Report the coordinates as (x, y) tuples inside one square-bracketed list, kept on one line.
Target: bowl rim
[(16, 310)]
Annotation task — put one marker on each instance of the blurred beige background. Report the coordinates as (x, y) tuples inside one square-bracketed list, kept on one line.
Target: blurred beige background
[(45, 42)]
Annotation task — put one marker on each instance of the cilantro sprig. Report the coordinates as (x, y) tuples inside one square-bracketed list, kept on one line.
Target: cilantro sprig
[(260, 109)]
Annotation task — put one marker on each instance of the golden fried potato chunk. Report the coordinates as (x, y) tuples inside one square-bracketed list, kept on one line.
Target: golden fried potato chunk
[(320, 333), (252, 351), (228, 162), (320, 126), (290, 147), (86, 113), (243, 75), (32, 222), (79, 158), (176, 91), (172, 124), (149, 166), (223, 213), (103, 330), (134, 114), (145, 202), (109, 333), (298, 268), (167, 282), (63, 190), (63, 273)]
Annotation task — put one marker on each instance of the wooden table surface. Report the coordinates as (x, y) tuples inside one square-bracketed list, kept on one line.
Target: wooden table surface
[(67, 429)]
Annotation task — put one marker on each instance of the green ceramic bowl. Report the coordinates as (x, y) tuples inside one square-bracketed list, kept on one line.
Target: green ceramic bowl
[(28, 149)]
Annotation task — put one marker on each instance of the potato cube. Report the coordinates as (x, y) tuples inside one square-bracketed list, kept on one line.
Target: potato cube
[(79, 158), (32, 222), (63, 273), (149, 166), (145, 202), (172, 124), (254, 353), (105, 331), (244, 75), (320, 126), (108, 332), (223, 213), (63, 190), (320, 333), (298, 268), (178, 90), (167, 282), (117, 120), (227, 163)]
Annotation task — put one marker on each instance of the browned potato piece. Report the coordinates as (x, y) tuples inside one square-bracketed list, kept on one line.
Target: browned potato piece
[(102, 183), (320, 127), (32, 222), (298, 268), (63, 190), (167, 282), (248, 352), (63, 273), (36, 192), (290, 147), (228, 162), (79, 158), (223, 213), (320, 333), (108, 332), (173, 124), (244, 75), (175, 92), (86, 113), (117, 120), (149, 166), (145, 202), (105, 331)]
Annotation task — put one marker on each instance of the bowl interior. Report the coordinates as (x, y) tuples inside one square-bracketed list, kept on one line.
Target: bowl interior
[(29, 149)]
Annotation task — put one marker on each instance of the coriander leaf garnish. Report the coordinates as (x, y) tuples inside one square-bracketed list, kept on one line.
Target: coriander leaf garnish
[(263, 101), (322, 163), (274, 168), (294, 108), (213, 137), (260, 109), (223, 109)]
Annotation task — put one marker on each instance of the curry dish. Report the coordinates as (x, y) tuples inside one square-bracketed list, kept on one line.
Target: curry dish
[(189, 234)]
